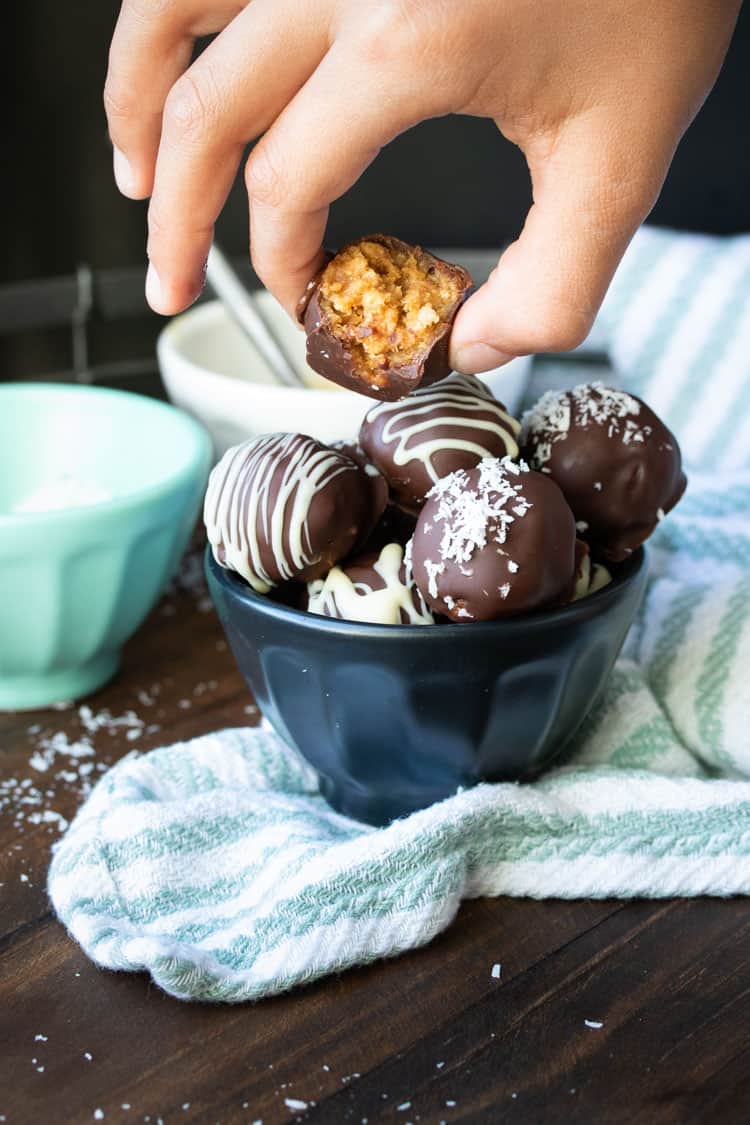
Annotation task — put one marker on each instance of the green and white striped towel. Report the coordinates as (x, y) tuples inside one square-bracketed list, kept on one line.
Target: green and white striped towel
[(216, 866)]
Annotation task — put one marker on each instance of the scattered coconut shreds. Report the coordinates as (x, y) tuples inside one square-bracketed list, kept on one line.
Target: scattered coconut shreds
[(594, 1024), (295, 1103), (496, 971), (105, 721), (549, 420), (471, 515), (59, 765), (190, 580)]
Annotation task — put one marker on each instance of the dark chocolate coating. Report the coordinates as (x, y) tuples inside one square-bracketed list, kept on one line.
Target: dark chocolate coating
[(291, 594), (306, 297), (333, 359), (261, 523), (495, 541), (616, 462), (365, 579), (461, 410), (394, 526), (375, 479)]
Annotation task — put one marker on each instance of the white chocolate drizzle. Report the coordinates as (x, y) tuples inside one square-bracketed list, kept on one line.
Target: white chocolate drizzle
[(457, 402), (243, 519), (592, 576), (398, 602)]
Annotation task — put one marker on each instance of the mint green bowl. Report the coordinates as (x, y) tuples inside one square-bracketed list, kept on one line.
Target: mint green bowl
[(120, 478)]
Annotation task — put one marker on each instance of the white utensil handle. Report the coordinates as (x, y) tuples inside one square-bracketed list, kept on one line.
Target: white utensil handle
[(231, 291)]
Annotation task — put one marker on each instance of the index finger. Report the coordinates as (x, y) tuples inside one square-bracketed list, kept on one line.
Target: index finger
[(319, 146)]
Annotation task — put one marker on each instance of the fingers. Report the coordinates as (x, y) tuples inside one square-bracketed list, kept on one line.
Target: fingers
[(317, 149), (230, 95), (590, 195), (150, 48)]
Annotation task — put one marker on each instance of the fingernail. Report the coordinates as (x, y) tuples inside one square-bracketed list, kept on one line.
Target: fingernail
[(154, 294), (124, 177), (472, 359)]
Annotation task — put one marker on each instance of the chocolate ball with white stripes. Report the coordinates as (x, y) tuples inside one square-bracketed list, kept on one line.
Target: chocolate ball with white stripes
[(494, 541), (452, 425), (618, 465), (284, 507), (377, 587)]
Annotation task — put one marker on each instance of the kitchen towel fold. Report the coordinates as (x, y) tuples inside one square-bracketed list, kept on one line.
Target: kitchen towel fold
[(216, 866)]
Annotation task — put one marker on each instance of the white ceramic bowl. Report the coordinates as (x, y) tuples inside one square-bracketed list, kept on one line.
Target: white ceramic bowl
[(212, 371)]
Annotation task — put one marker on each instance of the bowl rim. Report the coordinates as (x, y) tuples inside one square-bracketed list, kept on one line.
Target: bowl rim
[(629, 572), (199, 457)]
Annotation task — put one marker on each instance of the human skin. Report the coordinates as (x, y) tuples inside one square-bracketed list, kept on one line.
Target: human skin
[(596, 93)]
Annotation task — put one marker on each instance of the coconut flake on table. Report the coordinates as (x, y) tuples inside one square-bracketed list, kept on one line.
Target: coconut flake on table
[(59, 494), (65, 764)]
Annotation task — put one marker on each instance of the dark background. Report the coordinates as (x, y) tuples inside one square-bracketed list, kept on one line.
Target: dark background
[(452, 182)]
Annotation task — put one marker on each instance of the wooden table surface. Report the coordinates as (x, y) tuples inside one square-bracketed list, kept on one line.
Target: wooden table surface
[(431, 1036)]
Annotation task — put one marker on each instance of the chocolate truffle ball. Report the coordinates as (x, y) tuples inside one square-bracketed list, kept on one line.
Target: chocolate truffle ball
[(494, 541), (617, 464), (453, 425), (378, 316), (284, 507), (378, 588)]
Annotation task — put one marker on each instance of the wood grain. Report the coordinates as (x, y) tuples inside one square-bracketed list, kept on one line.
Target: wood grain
[(429, 1037)]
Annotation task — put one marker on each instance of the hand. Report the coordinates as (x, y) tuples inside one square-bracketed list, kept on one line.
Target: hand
[(597, 94)]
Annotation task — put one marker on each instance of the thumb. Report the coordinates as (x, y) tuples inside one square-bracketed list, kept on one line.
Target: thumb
[(547, 287)]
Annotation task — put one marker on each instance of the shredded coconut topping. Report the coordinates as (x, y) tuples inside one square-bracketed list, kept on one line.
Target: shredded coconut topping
[(472, 515), (588, 404)]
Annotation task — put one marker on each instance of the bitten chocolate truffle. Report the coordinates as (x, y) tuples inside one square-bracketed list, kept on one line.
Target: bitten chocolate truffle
[(494, 541), (378, 316), (453, 425), (284, 507), (377, 588), (617, 464)]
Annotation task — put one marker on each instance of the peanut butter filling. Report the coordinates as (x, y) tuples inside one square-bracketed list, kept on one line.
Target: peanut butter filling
[(385, 305)]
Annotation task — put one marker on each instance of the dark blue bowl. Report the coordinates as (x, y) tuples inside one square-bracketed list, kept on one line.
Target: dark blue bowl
[(394, 718)]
